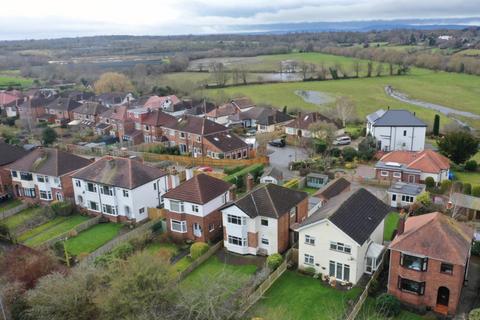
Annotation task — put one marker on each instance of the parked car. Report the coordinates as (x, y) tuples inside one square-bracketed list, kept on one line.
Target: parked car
[(342, 141), (251, 133), (205, 169), (277, 143)]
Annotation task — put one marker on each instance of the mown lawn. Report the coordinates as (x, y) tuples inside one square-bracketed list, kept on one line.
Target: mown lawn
[(368, 313), (298, 297), (50, 230), (93, 238), (20, 218), (6, 81), (309, 190), (391, 222), (7, 205), (468, 177), (170, 249)]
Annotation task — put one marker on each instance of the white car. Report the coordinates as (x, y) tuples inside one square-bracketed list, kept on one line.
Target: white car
[(342, 141)]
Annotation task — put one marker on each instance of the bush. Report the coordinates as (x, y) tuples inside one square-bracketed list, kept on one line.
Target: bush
[(430, 183), (445, 186), (474, 314), (238, 177), (387, 305), (140, 242), (458, 186), (471, 165), (476, 248), (467, 189), (309, 271), (232, 170), (123, 251), (198, 249), (335, 152), (349, 154), (62, 208), (157, 226), (367, 148), (320, 146), (274, 261), (476, 191)]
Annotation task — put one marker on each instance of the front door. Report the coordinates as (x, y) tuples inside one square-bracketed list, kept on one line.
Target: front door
[(443, 296), (197, 230), (394, 200)]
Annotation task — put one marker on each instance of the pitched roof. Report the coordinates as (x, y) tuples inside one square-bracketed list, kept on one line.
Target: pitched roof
[(120, 172), (242, 103), (10, 153), (304, 120), (265, 115), (223, 110), (465, 201), (357, 214), (50, 162), (90, 107), (372, 117), (200, 108), (226, 141), (425, 161), (436, 236), (200, 189), (116, 113), (63, 104), (195, 125), (333, 188), (273, 172), (396, 118), (7, 98), (269, 200), (156, 102)]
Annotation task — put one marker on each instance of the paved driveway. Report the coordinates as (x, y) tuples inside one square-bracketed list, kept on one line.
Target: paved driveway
[(281, 157), (470, 298)]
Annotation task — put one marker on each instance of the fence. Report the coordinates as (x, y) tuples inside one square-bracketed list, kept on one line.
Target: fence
[(10, 212), (200, 260), (202, 161), (358, 306), (155, 213), (115, 242), (77, 229)]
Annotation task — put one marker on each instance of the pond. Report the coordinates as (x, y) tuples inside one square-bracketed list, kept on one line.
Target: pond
[(314, 97)]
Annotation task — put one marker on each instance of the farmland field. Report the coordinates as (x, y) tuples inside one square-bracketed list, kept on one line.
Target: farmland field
[(7, 81)]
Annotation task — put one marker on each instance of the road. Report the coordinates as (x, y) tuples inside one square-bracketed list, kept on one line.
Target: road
[(281, 157)]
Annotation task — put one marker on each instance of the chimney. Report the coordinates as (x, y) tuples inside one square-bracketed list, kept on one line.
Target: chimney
[(401, 222), (188, 172), (233, 192), (250, 182)]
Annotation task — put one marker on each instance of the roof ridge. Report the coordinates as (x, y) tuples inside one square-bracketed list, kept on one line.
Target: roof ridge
[(271, 200), (130, 176), (407, 235)]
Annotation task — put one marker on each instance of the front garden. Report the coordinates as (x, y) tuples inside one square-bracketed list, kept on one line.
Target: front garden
[(391, 222), (9, 204), (93, 238)]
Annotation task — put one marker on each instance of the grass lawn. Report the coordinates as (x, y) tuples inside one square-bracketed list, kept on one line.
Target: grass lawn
[(91, 239), (368, 313), (298, 297), (213, 266), (7, 81), (468, 177), (50, 230), (7, 205), (391, 222), (155, 247), (20, 218), (309, 190)]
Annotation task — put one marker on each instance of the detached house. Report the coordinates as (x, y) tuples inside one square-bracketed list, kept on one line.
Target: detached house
[(193, 208), (397, 130), (261, 222), (429, 262), (412, 167), (44, 175), (343, 239), (9, 154), (120, 188), (300, 127)]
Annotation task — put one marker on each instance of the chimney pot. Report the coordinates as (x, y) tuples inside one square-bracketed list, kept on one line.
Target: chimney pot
[(250, 182)]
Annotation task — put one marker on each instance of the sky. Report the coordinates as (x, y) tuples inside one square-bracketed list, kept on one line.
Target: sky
[(34, 19)]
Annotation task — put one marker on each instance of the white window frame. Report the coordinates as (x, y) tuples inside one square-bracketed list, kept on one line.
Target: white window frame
[(233, 219), (126, 193), (340, 247), (112, 209), (384, 173), (265, 241), (78, 183), (195, 208), (308, 259), (180, 226), (181, 207), (48, 194), (94, 187), (96, 205), (397, 174), (309, 240), (237, 241)]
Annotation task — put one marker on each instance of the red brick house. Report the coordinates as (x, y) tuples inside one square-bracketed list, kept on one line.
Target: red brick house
[(120, 125), (89, 112), (412, 166), (429, 261), (193, 208), (9, 154), (61, 109), (44, 175)]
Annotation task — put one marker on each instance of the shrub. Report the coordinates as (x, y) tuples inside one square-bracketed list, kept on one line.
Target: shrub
[(349, 154), (458, 186), (238, 177), (198, 249), (335, 152), (309, 271), (140, 242), (232, 170), (476, 191), (471, 165), (430, 183), (62, 208), (123, 251), (445, 186), (474, 314), (476, 248), (367, 148), (274, 261), (373, 287), (387, 305), (320, 146), (157, 226), (467, 188)]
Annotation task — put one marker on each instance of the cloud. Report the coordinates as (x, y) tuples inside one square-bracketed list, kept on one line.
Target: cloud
[(57, 18)]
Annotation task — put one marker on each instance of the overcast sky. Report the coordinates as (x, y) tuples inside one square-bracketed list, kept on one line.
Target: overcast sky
[(56, 18)]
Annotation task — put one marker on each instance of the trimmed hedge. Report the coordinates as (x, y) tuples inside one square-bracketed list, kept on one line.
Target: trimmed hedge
[(238, 178), (198, 249), (292, 184), (274, 261), (62, 208), (232, 170)]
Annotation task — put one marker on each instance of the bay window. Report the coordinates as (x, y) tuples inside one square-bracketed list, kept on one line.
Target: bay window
[(411, 286), (178, 226), (241, 242)]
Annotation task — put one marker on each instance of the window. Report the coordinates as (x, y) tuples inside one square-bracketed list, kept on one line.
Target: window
[(78, 183), (108, 209), (79, 199), (211, 227), (309, 240), (404, 133), (41, 179), (93, 205), (338, 246), (397, 174), (308, 259), (413, 262), (26, 176), (195, 208), (199, 139), (339, 270), (14, 174), (179, 226), (176, 206), (236, 241), (154, 186), (446, 268), (45, 195), (91, 187), (293, 212), (384, 173), (265, 241), (408, 199), (182, 135), (125, 193), (264, 222), (411, 286), (235, 219), (106, 190), (141, 210)]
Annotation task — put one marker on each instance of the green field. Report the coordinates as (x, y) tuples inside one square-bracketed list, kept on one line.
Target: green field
[(468, 177), (51, 229), (16, 82), (22, 217), (91, 239), (298, 297), (391, 222)]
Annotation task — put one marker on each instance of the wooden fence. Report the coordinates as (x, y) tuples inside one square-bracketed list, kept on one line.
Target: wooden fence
[(358, 306), (202, 161), (200, 260), (77, 229), (13, 211)]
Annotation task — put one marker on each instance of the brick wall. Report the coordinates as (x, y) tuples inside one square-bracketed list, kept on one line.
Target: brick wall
[(283, 232), (404, 176), (5, 181), (214, 218)]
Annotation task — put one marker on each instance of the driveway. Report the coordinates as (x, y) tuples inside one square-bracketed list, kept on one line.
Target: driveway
[(281, 157), (470, 297)]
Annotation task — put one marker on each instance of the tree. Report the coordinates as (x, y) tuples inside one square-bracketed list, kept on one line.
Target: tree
[(471, 165), (467, 188), (476, 191), (430, 183), (367, 148), (323, 130), (49, 136), (220, 75), (349, 154), (369, 68), (436, 125), (356, 68), (379, 69), (424, 199), (113, 82), (458, 146), (344, 110)]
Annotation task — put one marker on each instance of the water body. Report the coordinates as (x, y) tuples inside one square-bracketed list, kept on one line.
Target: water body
[(448, 111), (314, 97)]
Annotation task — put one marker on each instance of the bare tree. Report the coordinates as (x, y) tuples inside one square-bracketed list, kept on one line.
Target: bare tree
[(379, 69), (344, 110), (220, 75), (304, 70), (356, 68), (243, 73), (369, 68)]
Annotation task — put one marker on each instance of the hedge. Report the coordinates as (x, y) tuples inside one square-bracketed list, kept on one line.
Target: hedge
[(292, 184), (238, 177)]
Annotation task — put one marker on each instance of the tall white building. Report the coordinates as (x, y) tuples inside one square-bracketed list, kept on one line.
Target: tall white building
[(397, 130)]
